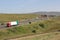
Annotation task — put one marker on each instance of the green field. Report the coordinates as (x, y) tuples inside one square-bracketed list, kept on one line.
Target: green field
[(34, 28)]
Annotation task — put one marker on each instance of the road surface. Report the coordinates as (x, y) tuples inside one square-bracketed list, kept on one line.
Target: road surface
[(25, 22)]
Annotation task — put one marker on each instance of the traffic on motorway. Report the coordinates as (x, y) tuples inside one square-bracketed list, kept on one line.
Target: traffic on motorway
[(24, 22)]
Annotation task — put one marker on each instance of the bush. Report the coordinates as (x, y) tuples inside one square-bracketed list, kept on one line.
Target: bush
[(34, 31), (59, 30), (41, 25), (29, 22)]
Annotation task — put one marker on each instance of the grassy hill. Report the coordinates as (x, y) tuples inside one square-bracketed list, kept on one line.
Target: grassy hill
[(34, 28)]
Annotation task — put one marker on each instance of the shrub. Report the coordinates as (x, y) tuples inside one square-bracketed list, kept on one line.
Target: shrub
[(59, 30), (29, 22), (34, 31), (41, 25)]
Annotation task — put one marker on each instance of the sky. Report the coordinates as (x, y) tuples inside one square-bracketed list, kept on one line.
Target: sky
[(27, 6)]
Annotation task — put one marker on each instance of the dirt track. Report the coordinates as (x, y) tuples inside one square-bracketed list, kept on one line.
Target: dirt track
[(55, 37)]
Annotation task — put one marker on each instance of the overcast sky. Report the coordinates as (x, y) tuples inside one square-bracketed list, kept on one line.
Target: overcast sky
[(26, 6)]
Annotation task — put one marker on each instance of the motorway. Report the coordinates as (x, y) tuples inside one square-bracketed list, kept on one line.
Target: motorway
[(31, 20), (25, 22)]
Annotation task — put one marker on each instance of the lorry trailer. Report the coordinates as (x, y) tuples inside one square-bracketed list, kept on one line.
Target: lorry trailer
[(13, 23)]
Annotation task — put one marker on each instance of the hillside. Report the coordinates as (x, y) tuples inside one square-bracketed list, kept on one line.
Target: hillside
[(51, 25)]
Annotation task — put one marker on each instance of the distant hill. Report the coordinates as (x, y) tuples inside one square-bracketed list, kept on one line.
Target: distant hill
[(48, 13)]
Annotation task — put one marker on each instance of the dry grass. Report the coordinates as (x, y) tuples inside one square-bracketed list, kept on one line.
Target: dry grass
[(49, 25), (46, 36), (12, 17)]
